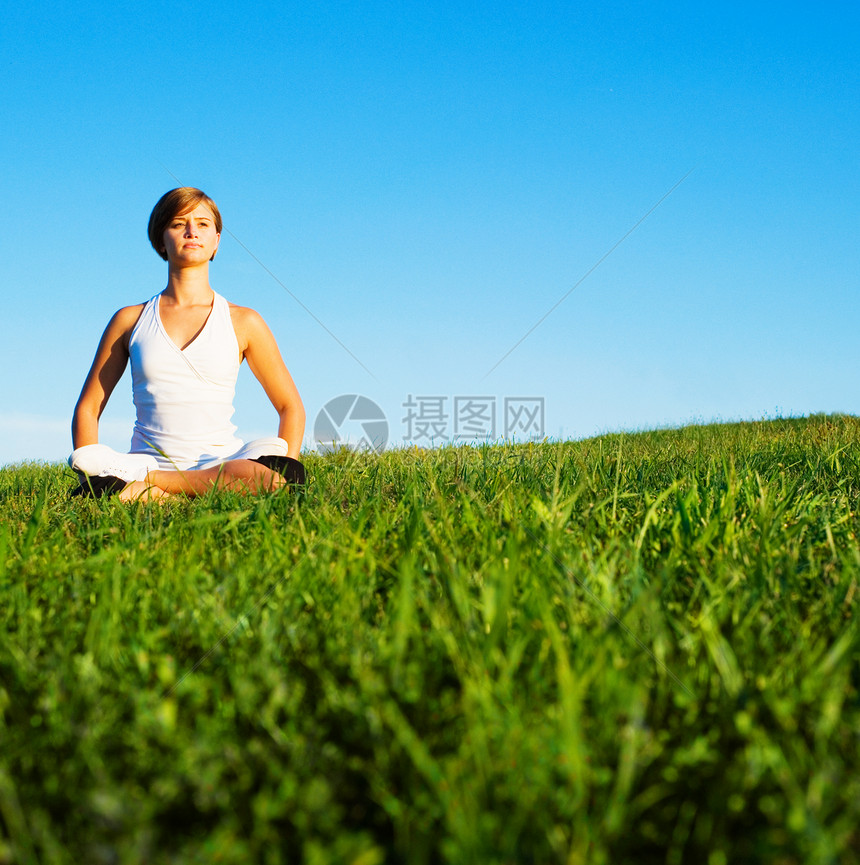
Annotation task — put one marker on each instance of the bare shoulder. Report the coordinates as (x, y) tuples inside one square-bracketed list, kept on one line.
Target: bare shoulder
[(128, 315), (248, 325), (241, 314), (123, 321)]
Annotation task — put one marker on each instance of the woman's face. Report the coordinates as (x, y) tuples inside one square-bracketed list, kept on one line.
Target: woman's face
[(191, 238)]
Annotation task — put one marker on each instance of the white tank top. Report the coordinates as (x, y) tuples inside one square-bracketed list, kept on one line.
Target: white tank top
[(184, 397)]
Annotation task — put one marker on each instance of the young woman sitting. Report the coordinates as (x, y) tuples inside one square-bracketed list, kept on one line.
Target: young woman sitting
[(185, 346)]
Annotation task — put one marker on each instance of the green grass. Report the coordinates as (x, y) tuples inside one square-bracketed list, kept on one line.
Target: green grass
[(636, 648)]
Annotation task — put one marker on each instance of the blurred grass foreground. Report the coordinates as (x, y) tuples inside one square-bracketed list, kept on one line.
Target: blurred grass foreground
[(634, 648)]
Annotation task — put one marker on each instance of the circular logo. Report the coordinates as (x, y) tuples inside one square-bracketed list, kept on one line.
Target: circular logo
[(351, 421)]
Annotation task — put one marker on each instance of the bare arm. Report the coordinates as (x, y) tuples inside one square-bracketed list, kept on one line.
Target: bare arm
[(264, 359), (107, 369)]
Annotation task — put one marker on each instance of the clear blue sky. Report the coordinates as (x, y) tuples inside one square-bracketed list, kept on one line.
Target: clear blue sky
[(429, 179)]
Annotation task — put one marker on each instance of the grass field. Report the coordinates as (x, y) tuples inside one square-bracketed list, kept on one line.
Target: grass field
[(636, 648)]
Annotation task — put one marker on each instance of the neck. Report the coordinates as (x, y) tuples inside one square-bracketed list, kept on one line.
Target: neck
[(189, 284)]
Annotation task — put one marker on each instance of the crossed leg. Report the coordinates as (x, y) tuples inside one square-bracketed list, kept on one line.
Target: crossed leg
[(243, 475), (259, 466)]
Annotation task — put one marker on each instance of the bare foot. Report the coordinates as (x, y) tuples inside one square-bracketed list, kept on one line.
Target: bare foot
[(140, 491), (242, 476), (261, 482)]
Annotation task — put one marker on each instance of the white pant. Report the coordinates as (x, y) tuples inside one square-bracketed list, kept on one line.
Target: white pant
[(273, 446), (100, 460)]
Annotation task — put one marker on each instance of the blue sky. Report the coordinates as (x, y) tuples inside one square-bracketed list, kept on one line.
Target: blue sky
[(428, 180)]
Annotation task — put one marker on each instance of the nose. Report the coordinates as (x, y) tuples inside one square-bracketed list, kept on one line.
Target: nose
[(190, 228)]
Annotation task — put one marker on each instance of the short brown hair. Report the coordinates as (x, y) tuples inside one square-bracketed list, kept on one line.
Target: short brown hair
[(176, 203)]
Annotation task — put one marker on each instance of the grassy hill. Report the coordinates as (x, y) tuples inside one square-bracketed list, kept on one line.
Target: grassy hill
[(635, 648)]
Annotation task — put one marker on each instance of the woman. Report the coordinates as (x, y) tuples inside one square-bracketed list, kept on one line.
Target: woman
[(186, 345)]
